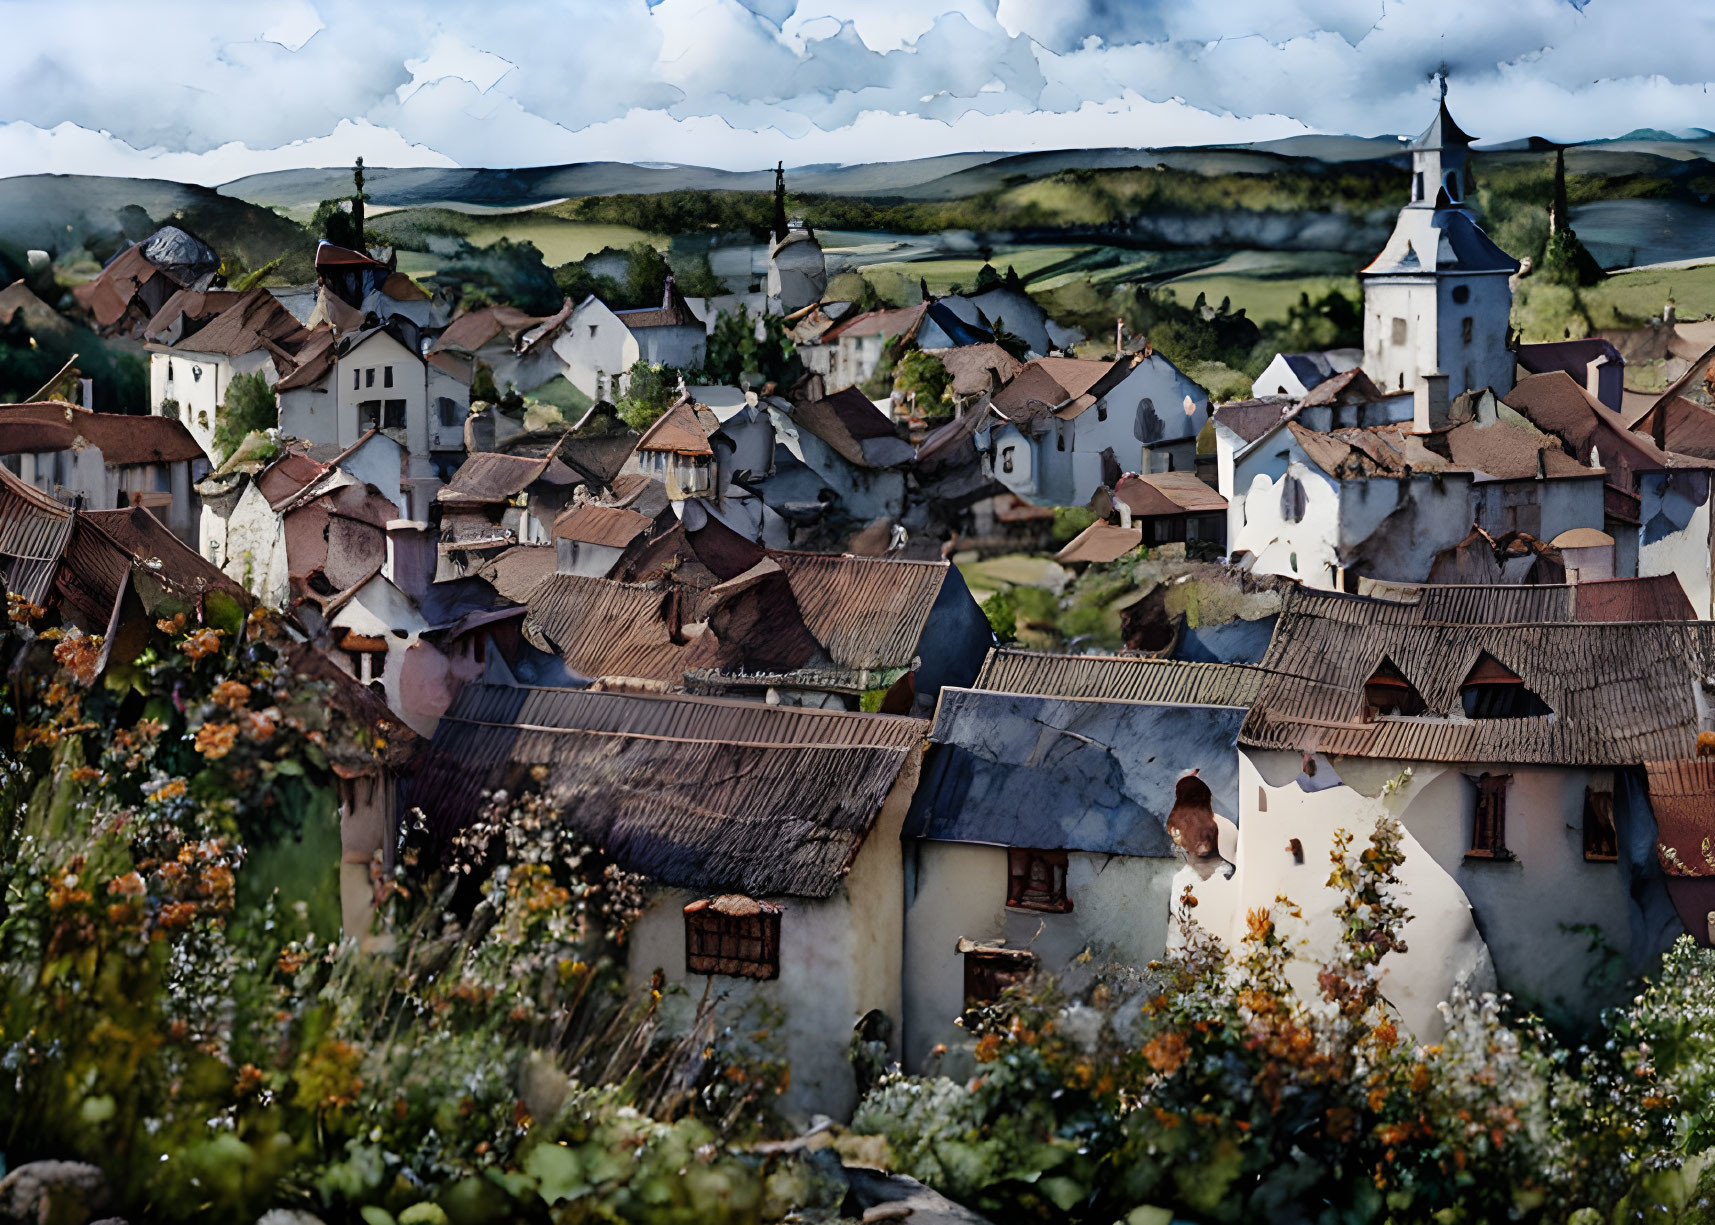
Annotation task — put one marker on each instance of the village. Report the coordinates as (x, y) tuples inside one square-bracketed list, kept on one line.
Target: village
[(1450, 579)]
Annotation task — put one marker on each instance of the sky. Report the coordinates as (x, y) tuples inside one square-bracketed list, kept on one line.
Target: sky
[(211, 90)]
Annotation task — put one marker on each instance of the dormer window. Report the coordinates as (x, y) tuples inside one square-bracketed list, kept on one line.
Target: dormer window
[(1387, 692), (1492, 690)]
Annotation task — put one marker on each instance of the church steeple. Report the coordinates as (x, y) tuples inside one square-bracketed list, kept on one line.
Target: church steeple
[(1438, 159)]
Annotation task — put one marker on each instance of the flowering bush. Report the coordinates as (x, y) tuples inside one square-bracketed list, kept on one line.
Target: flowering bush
[(1223, 1092), (217, 1055)]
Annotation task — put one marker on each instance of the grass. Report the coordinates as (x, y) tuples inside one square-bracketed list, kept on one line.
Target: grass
[(1267, 283), (1543, 312), (559, 240)]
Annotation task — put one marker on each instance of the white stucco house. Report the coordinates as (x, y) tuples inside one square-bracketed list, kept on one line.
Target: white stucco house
[(1468, 714), (1294, 374), (1039, 831), (771, 837)]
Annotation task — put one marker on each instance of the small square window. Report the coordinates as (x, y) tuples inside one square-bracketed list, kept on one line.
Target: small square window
[(1036, 880), (988, 972), (733, 935)]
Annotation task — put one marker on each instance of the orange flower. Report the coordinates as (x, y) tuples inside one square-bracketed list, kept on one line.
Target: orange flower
[(260, 724), (177, 915), (129, 885), (203, 643), (79, 655), (172, 789), (231, 694), (215, 740), (1167, 1052), (988, 1048), (171, 625), (85, 774), (249, 1080)]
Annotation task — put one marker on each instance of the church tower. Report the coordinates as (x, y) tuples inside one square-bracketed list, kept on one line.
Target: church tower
[(1438, 299)]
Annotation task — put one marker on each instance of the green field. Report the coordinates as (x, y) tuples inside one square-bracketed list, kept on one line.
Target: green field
[(1266, 284), (1542, 311)]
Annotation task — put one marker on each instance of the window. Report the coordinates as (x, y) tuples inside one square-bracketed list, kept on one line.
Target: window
[(1059, 441), (592, 331), (1494, 691), (1465, 328), (169, 370), (1006, 460), (448, 409), (356, 379), (1461, 293), (393, 414), (1102, 411), (387, 376), (1489, 831), (1292, 499), (989, 971), (1036, 880), (1399, 331), (368, 414), (1387, 692), (369, 376), (1417, 186), (733, 935), (1601, 843)]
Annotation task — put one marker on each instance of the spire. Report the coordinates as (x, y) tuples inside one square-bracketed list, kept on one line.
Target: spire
[(780, 202), (357, 204), (1558, 212)]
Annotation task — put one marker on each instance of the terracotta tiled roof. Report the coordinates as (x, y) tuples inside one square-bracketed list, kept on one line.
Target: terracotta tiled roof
[(256, 320), (884, 323), (1100, 543), (1349, 387), (674, 312), (122, 438), (489, 476), (1119, 678), (1682, 798), (679, 431), (34, 529), (1168, 493), (194, 307), (1556, 403), (696, 793), (1620, 693), (471, 331), (330, 256), (517, 572), (1065, 386)]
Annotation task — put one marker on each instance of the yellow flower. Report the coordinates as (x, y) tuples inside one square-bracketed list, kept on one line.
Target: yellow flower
[(215, 740)]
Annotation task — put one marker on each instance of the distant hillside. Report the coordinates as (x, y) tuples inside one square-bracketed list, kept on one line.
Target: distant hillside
[(61, 213)]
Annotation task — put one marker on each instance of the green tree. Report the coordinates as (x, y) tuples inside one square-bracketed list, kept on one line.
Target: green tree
[(646, 273), (924, 376), (250, 405), (332, 220), (651, 390), (696, 278), (737, 356)]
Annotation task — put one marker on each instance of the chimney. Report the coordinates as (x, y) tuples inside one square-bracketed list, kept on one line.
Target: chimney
[(1429, 404), (87, 393), (1125, 513), (479, 431), (1593, 377)]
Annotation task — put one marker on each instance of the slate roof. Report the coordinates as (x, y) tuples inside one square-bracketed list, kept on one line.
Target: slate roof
[(1571, 356), (854, 427), (698, 793), (1057, 774), (1620, 693), (1445, 240), (1442, 132), (123, 439), (1119, 678)]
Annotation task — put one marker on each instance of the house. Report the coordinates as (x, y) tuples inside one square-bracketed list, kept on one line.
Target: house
[(1294, 374), (675, 450), (1386, 500), (701, 606), (1438, 298), (374, 379), (669, 334), (1510, 742), (254, 335), (517, 347), (137, 282), (837, 453), (770, 836), (1172, 508), (1657, 500), (108, 460), (1039, 832), (591, 539), (850, 352), (495, 501), (1068, 426)]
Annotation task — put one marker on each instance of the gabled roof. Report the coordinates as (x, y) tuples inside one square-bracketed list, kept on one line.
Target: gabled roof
[(855, 428), (1442, 240), (489, 476), (1077, 775), (473, 330), (1100, 543), (885, 323), (1555, 402), (1064, 386), (1168, 493), (674, 312), (344, 258), (1251, 419), (122, 438), (1620, 693), (1572, 356), (696, 793), (516, 573), (1119, 678), (609, 526), (256, 320), (1656, 598), (192, 307), (109, 548), (1347, 387), (679, 431)]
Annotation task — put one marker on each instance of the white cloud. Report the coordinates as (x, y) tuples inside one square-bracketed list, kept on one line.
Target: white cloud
[(742, 82)]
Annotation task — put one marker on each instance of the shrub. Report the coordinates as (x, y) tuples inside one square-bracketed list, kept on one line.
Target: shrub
[(651, 390), (250, 406)]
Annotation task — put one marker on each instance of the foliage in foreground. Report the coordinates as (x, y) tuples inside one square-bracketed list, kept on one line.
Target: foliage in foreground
[(1220, 1091), (165, 1017)]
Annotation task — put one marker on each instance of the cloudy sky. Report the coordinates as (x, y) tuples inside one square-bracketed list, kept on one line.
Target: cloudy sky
[(211, 90)]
